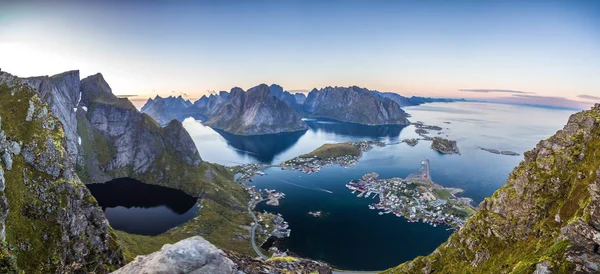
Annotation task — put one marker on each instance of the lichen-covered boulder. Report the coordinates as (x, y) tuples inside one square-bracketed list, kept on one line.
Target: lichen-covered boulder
[(192, 255)]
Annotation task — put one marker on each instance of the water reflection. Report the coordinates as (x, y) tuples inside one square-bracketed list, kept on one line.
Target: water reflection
[(263, 148), (139, 208), (354, 130)]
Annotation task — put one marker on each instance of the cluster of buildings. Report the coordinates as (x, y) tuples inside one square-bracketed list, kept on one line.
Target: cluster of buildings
[(273, 196), (415, 201), (281, 229), (365, 146), (313, 164), (247, 171)]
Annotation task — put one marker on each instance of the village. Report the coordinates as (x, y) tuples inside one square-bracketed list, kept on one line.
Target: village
[(415, 198)]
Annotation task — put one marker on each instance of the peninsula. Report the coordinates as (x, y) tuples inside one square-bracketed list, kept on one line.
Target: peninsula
[(343, 154), (416, 198)]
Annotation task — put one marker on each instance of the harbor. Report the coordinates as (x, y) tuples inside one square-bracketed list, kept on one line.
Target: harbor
[(415, 198)]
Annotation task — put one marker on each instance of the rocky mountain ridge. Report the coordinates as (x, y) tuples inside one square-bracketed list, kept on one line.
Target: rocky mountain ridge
[(176, 105), (545, 219), (255, 112), (114, 140), (49, 221), (354, 105), (336, 103)]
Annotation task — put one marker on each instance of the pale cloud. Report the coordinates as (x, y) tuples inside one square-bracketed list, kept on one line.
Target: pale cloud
[(496, 91), (588, 97)]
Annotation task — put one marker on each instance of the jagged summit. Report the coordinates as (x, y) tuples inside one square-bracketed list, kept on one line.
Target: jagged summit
[(254, 112)]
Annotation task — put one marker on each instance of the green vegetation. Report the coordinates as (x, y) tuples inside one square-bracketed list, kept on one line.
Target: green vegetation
[(219, 225), (548, 186), (286, 259), (35, 233), (442, 194), (333, 150), (22, 226)]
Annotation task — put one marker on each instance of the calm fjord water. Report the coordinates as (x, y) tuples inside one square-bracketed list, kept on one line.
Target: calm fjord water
[(351, 236)]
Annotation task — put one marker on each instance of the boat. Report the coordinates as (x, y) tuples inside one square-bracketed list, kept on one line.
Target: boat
[(380, 213)]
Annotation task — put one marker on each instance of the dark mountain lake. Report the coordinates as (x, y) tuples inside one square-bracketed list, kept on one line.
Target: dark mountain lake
[(135, 207), (351, 236)]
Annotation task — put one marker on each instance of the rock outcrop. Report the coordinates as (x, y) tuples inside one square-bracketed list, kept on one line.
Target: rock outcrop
[(196, 255), (49, 222), (255, 112), (192, 255), (354, 105), (545, 219)]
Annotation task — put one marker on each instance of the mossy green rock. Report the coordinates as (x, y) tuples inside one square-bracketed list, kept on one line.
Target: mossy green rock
[(546, 219), (50, 221)]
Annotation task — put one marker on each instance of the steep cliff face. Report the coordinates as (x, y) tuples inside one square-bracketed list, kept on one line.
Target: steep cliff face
[(49, 222), (61, 93), (546, 219), (354, 105), (255, 112), (121, 141)]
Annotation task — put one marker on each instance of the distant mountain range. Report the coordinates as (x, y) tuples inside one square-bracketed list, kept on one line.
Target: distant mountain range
[(270, 109), (416, 100)]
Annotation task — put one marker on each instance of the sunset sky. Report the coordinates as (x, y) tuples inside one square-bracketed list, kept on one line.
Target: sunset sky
[(545, 52)]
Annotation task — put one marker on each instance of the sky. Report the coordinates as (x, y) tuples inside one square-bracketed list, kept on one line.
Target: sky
[(545, 52)]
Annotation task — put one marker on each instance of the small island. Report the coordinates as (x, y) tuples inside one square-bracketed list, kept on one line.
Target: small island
[(439, 144), (316, 214), (343, 154), (411, 142), (444, 146), (501, 152), (421, 125), (415, 198)]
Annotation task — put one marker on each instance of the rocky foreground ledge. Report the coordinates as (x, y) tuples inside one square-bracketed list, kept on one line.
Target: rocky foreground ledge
[(197, 255)]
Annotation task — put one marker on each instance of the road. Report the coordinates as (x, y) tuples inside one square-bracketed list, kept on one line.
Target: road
[(253, 231)]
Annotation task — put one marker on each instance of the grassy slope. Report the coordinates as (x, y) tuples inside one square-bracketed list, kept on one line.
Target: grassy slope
[(218, 224), (333, 150), (521, 255)]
